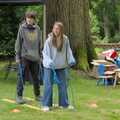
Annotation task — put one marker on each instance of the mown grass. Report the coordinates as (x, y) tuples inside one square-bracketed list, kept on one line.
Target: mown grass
[(86, 93)]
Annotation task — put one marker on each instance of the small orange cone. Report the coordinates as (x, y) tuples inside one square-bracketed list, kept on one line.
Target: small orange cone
[(15, 111), (93, 104)]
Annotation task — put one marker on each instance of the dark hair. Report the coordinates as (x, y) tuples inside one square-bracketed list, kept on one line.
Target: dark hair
[(30, 15)]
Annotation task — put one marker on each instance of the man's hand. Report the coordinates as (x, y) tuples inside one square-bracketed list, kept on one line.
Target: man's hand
[(17, 61)]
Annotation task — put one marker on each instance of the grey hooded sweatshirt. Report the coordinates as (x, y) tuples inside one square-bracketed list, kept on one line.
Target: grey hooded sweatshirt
[(28, 42)]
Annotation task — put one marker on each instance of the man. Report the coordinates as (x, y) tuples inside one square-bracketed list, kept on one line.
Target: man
[(27, 49)]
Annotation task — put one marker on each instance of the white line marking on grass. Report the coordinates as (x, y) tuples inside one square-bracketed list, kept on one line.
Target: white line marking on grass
[(28, 98), (32, 107), (8, 100), (25, 105)]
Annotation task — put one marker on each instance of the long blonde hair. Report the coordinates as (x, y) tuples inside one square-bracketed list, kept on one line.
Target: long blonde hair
[(58, 41)]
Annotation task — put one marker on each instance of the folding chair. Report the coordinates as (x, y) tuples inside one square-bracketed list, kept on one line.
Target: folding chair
[(117, 77), (102, 77)]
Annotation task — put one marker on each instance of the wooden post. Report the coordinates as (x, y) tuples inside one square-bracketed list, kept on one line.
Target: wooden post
[(44, 23)]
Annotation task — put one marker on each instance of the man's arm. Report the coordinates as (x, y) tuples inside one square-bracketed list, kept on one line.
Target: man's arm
[(18, 45)]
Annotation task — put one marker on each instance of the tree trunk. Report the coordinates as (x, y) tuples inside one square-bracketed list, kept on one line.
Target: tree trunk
[(55, 12), (106, 25), (90, 47), (77, 33), (50, 14), (118, 23), (63, 14), (75, 16)]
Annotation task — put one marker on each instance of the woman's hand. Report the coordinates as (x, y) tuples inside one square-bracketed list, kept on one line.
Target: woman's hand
[(72, 64)]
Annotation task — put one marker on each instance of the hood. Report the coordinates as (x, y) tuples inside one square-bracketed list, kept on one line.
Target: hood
[(25, 25)]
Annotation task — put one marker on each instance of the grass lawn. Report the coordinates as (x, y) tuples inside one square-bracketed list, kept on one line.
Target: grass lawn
[(91, 102)]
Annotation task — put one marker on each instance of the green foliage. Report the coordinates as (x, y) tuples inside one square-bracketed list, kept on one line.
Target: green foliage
[(94, 24), (115, 39), (109, 9), (8, 29)]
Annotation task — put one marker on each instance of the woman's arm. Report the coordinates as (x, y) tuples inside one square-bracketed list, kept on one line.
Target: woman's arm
[(70, 58)]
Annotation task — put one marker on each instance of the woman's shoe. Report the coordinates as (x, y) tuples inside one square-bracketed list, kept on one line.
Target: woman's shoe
[(70, 107), (45, 109)]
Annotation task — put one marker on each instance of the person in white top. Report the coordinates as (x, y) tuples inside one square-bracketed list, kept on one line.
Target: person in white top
[(57, 56)]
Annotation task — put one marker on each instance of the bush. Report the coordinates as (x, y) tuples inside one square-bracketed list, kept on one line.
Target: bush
[(94, 24), (115, 39), (10, 18)]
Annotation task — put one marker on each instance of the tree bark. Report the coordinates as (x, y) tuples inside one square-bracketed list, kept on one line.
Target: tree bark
[(106, 26), (51, 12), (77, 33)]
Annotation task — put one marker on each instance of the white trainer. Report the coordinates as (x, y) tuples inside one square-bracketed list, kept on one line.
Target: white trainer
[(45, 109), (70, 107)]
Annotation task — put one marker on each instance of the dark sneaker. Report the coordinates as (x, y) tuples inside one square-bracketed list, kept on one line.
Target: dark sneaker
[(20, 100), (38, 98)]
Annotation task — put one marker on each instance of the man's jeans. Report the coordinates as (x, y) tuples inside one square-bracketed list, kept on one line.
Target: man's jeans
[(62, 87), (34, 69)]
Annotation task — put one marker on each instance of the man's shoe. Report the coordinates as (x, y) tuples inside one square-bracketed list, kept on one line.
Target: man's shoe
[(20, 100), (70, 107)]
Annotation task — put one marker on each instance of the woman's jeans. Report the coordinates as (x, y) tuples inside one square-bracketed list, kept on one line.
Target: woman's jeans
[(62, 87), (34, 70)]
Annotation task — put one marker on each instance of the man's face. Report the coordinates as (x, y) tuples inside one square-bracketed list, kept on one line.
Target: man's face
[(30, 21), (56, 30)]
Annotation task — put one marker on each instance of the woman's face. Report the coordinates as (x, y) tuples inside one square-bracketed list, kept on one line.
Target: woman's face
[(30, 21), (56, 30)]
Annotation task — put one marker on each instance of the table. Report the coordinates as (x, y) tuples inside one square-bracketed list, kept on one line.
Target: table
[(100, 61), (108, 66)]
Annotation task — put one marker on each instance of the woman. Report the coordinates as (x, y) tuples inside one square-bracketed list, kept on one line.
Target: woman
[(27, 49), (57, 55)]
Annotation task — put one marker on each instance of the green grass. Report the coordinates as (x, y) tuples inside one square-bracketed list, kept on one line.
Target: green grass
[(85, 93)]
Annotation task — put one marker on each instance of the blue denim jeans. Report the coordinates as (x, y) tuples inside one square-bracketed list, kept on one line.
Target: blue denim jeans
[(48, 87)]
